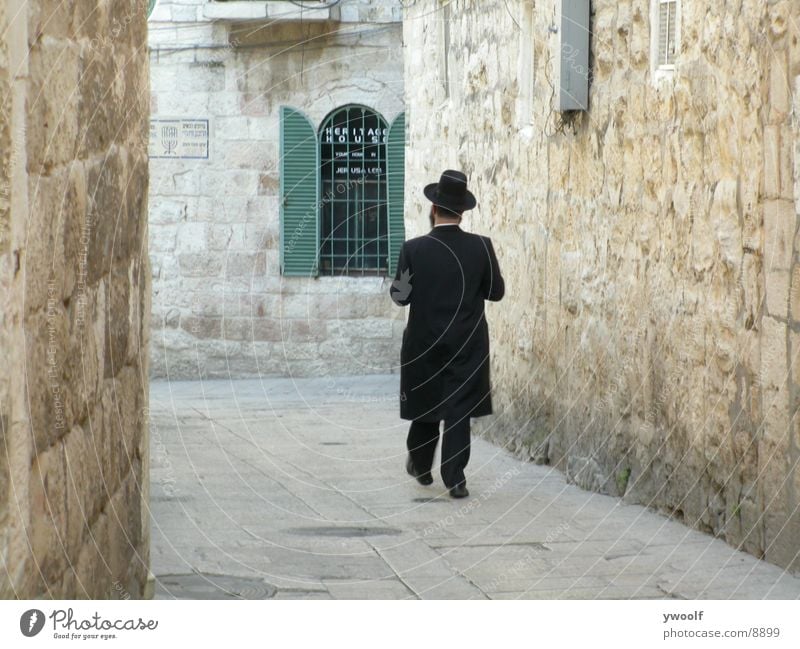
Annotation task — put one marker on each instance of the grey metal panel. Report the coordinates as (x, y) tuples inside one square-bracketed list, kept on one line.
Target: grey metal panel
[(573, 55)]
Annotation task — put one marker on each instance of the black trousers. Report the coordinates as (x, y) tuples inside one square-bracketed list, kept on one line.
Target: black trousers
[(421, 442)]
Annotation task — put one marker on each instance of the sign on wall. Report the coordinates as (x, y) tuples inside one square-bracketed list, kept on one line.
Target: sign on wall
[(182, 139)]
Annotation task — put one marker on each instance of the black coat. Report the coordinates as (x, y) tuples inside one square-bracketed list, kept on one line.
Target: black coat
[(445, 276)]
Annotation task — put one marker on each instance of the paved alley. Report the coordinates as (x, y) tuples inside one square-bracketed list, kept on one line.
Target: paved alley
[(282, 488)]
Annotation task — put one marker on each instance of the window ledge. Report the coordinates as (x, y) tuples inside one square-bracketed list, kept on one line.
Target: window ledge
[(269, 10), (663, 74)]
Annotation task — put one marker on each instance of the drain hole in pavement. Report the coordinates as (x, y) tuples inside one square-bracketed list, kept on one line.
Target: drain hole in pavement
[(428, 500), (345, 531), (333, 443), (207, 586)]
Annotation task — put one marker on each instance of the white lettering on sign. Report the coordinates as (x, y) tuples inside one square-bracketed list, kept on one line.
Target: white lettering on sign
[(179, 138), (340, 134)]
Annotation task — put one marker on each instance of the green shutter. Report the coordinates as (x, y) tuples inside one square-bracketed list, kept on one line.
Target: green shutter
[(395, 181), (299, 195)]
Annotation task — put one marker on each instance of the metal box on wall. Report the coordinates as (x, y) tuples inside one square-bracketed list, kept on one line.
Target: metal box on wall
[(572, 57)]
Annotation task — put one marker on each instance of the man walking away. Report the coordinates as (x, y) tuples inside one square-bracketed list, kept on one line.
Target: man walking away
[(445, 276)]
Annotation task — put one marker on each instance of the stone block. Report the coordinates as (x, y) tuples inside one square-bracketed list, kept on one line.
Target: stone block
[(787, 160), (378, 356), (257, 305), (776, 425), (128, 402), (163, 238), (225, 237), (777, 285), (206, 304), (75, 228), (299, 358), (779, 17), (774, 365), (367, 328), (246, 154), (118, 328), (349, 13), (82, 484), (51, 403), (794, 365), (235, 11), (245, 264), (303, 331), (91, 570), (200, 265), (297, 306), (772, 162), (206, 76), (236, 329), (87, 454), (725, 221), (164, 77), (124, 536), (752, 289), (261, 235), (97, 118), (56, 90), (266, 329), (268, 184), (773, 496), (44, 241), (106, 214), (217, 183), (191, 237), (163, 210), (202, 326), (225, 209), (83, 355), (48, 516), (780, 224), (779, 87), (264, 209)]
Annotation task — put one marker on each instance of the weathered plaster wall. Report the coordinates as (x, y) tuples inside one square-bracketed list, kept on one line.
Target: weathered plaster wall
[(220, 305), (648, 341), (74, 292)]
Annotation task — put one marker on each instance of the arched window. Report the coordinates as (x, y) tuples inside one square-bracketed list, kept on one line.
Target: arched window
[(353, 214), (341, 205)]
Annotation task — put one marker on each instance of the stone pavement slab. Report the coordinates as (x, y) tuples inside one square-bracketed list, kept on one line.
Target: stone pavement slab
[(296, 489)]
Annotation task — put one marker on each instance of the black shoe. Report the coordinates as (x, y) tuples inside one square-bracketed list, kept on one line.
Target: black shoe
[(422, 478), (459, 491)]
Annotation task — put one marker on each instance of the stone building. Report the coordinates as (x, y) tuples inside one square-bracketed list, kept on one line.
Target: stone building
[(74, 292), (276, 186), (648, 341)]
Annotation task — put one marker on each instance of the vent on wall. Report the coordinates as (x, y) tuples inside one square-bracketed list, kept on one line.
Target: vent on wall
[(667, 19), (572, 57)]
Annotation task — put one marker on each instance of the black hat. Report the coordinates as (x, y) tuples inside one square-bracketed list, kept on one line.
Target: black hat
[(451, 192)]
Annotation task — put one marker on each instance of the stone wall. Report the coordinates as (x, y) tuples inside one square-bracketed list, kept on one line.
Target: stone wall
[(648, 341), (220, 305), (74, 299)]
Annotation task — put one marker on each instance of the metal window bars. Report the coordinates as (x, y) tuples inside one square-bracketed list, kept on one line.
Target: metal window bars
[(354, 220)]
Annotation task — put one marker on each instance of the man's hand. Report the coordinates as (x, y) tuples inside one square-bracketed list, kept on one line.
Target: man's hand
[(401, 288)]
